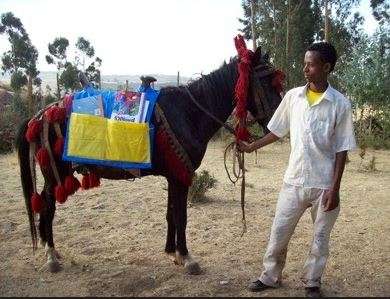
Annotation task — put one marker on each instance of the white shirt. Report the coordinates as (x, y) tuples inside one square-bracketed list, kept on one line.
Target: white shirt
[(317, 133)]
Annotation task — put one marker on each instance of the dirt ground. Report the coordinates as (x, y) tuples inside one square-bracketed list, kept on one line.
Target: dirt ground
[(112, 238)]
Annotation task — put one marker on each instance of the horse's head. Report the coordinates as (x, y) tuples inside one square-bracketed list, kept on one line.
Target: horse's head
[(265, 89)]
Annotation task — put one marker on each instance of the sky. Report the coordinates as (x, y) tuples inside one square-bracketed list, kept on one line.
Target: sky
[(140, 37)]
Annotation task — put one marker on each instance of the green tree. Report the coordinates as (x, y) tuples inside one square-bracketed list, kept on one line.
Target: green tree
[(68, 78), (21, 60), (85, 53), (381, 11), (366, 80), (67, 71), (93, 72), (57, 56)]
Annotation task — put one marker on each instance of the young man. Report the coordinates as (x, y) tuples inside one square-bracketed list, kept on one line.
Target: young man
[(319, 120)]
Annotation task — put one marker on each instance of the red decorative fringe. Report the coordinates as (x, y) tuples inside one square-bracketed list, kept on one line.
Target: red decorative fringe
[(59, 146), (242, 133), (71, 184), (60, 193), (241, 88), (33, 130), (36, 203), (172, 163), (94, 180), (43, 157), (85, 182), (67, 102), (55, 114), (277, 80)]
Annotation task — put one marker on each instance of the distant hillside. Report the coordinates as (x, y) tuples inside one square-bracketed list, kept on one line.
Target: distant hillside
[(112, 81)]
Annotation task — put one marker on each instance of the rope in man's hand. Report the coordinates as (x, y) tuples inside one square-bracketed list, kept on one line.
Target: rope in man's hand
[(238, 160)]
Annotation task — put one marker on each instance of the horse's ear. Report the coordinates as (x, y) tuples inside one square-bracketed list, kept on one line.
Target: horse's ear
[(257, 56)]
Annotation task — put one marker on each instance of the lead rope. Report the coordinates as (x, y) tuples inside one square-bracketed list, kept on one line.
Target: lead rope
[(238, 159)]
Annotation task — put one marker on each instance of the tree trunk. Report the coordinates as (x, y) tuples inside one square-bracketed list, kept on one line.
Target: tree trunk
[(99, 79), (253, 24), (288, 41), (275, 34), (362, 129), (327, 23), (43, 98), (58, 88), (370, 121), (31, 107)]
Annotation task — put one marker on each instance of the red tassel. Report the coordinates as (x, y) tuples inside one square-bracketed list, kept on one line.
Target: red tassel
[(59, 146), (242, 133), (94, 180), (175, 166), (61, 114), (85, 182), (71, 184), (67, 102), (36, 203), (33, 130), (43, 157), (241, 88), (60, 193), (55, 114), (50, 114)]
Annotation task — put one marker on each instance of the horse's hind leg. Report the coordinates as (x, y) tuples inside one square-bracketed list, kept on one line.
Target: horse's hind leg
[(46, 231), (177, 206)]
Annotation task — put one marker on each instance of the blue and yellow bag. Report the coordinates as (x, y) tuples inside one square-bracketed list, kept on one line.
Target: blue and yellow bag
[(93, 138)]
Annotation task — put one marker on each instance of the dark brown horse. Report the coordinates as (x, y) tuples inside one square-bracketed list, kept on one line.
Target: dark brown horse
[(176, 115)]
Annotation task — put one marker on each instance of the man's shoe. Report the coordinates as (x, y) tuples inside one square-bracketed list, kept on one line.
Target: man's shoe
[(258, 286), (313, 292)]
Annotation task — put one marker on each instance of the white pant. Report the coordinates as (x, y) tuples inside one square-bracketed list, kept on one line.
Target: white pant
[(292, 203)]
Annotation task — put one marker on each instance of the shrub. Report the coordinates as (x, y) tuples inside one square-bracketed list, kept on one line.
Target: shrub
[(8, 122), (368, 165), (200, 184), (48, 99), (373, 131), (10, 118)]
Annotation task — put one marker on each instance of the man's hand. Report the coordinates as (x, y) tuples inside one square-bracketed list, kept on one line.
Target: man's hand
[(256, 144), (245, 146), (330, 200)]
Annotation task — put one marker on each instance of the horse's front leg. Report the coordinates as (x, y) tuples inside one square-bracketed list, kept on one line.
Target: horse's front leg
[(177, 224), (46, 232)]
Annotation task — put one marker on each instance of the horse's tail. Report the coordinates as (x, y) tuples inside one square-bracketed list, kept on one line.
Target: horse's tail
[(22, 146)]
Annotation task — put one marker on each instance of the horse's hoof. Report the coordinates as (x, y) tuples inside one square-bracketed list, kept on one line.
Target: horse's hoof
[(53, 266), (192, 268)]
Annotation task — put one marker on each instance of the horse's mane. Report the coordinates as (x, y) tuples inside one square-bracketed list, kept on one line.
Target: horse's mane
[(224, 78), (216, 86)]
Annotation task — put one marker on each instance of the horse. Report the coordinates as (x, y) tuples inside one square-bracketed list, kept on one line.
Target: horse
[(185, 117)]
